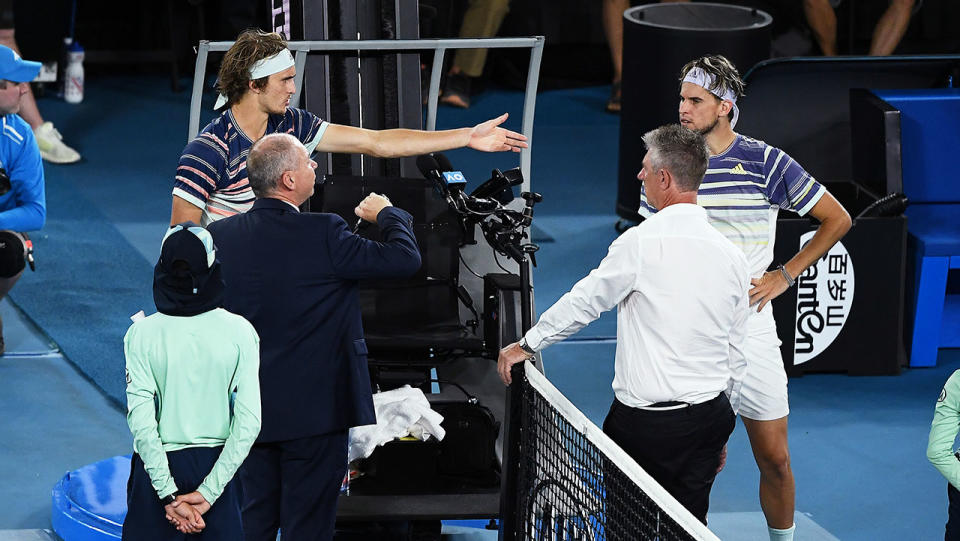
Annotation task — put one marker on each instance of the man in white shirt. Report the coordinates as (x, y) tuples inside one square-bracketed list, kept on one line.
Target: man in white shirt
[(681, 292)]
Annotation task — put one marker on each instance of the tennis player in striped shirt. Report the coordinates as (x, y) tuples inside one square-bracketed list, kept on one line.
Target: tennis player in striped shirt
[(746, 184), (256, 83)]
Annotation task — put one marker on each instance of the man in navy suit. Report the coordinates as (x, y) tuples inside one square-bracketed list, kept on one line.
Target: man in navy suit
[(294, 276)]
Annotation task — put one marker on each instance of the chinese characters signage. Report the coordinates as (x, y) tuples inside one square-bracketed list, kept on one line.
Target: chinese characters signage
[(824, 297)]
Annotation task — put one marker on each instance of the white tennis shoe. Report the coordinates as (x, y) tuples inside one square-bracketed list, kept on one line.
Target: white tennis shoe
[(52, 147)]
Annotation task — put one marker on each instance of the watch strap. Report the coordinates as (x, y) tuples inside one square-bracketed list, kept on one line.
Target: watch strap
[(169, 498)]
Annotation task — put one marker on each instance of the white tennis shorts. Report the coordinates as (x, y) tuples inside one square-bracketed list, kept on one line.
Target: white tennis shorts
[(764, 392)]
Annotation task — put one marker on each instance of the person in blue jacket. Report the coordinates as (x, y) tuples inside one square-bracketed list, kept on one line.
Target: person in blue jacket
[(23, 205)]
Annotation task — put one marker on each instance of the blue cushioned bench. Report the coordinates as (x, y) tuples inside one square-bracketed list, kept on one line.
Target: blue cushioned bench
[(935, 239), (930, 144)]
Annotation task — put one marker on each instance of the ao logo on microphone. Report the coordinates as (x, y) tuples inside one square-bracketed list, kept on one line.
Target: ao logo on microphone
[(824, 298), (454, 177)]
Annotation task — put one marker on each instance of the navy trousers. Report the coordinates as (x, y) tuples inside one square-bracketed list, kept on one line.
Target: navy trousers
[(293, 486), (679, 448), (953, 519), (146, 518)]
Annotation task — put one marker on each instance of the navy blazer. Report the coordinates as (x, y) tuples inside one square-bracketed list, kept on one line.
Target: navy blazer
[(294, 277)]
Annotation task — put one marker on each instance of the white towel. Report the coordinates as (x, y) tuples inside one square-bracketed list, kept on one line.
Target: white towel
[(400, 412)]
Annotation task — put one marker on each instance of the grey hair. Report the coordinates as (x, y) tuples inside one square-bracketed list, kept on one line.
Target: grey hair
[(681, 151), (269, 159), (724, 73)]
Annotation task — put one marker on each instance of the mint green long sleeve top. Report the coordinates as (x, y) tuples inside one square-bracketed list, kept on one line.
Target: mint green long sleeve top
[(181, 376), (943, 431)]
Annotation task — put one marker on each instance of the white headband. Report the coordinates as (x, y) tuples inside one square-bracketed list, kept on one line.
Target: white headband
[(699, 77), (264, 68)]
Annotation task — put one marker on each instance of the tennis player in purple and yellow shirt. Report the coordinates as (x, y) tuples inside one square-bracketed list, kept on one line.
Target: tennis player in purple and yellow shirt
[(746, 184)]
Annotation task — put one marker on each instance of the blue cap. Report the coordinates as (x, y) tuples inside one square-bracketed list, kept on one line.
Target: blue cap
[(13, 68)]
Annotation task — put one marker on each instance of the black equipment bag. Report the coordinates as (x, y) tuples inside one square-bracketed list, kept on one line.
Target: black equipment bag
[(401, 466), (468, 452), (466, 458)]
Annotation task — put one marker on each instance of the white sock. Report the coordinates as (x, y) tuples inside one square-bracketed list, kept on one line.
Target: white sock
[(782, 535)]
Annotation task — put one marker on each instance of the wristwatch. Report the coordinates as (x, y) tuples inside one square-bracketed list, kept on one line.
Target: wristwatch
[(526, 349), (786, 275), (168, 499)]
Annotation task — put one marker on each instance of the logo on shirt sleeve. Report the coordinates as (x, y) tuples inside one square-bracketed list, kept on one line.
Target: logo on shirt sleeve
[(128, 376), (943, 395)]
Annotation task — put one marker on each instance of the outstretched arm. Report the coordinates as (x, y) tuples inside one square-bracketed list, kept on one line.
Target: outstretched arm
[(487, 136)]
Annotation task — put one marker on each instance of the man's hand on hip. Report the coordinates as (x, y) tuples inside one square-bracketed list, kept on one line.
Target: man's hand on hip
[(768, 287), (370, 207)]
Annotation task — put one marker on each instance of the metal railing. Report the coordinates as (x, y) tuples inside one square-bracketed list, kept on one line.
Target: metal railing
[(439, 48)]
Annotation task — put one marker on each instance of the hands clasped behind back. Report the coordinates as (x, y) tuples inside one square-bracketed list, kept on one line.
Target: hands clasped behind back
[(184, 517), (370, 207)]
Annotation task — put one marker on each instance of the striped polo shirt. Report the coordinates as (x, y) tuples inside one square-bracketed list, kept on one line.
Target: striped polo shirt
[(742, 191), (212, 173)]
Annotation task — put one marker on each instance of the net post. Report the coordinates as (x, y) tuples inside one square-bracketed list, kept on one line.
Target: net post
[(511, 455)]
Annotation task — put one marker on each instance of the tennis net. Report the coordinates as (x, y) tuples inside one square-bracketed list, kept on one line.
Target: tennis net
[(567, 480)]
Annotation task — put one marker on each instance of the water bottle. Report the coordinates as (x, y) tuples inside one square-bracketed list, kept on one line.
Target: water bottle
[(73, 76)]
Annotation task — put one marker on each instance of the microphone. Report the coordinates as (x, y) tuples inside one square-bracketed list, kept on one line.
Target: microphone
[(451, 183), (443, 162), (454, 180), (430, 168)]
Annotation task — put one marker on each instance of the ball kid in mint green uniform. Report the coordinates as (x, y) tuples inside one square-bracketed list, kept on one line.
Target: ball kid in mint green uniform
[(943, 432), (193, 399)]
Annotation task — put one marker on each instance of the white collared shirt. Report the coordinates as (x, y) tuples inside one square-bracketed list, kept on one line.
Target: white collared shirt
[(681, 291)]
